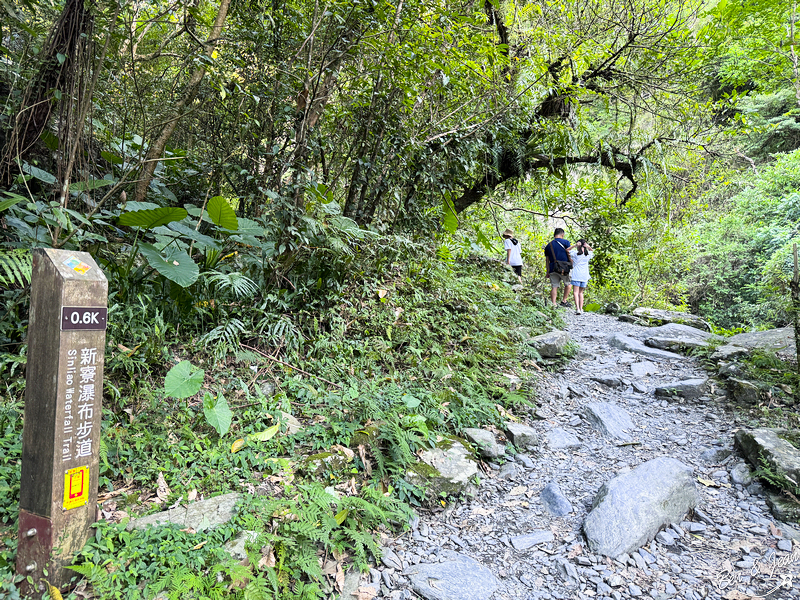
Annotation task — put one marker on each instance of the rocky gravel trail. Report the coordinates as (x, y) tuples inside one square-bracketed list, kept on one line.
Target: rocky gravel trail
[(521, 537)]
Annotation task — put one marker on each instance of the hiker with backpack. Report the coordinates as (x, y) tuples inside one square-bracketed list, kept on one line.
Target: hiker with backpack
[(558, 263), (513, 253)]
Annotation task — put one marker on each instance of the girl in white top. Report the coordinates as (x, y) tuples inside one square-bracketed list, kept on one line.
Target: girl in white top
[(581, 254), (513, 252)]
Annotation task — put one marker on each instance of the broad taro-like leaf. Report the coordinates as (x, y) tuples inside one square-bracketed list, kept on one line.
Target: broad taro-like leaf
[(218, 413), (222, 214), (183, 380), (153, 217), (178, 267)]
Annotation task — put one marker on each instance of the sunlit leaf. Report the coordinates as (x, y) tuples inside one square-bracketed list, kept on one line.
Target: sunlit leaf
[(153, 217), (221, 213), (183, 380), (217, 413), (178, 267), (263, 436)]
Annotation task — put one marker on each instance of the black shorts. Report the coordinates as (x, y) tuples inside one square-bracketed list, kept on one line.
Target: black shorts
[(517, 270)]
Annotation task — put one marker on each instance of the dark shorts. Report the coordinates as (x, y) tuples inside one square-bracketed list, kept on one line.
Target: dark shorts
[(517, 270)]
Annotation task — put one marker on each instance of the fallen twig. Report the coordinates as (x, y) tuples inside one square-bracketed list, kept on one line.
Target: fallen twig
[(115, 493), (285, 364)]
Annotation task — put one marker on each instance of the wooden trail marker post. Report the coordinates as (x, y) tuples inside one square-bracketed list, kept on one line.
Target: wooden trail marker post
[(63, 407)]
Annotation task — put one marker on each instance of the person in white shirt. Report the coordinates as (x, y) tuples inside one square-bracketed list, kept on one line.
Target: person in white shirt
[(581, 254), (513, 252)]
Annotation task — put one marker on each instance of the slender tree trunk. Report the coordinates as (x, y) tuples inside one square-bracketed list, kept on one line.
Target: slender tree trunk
[(189, 94), (59, 62)]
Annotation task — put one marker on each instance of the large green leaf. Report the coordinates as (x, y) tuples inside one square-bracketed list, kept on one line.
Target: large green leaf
[(222, 214), (11, 200), (450, 220), (202, 240), (177, 266), (183, 380), (153, 217), (218, 413), (91, 184), (40, 174)]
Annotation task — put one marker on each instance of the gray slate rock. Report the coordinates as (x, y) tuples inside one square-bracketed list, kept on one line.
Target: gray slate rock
[(643, 368), (609, 419), (551, 344), (529, 540), (236, 547), (654, 315), (780, 340), (731, 369), (769, 445), (741, 475), (458, 577), (485, 441), (522, 436), (608, 380), (715, 455), (554, 500), (629, 344), (729, 352), (689, 389), (447, 469), (675, 344), (782, 508), (680, 331), (199, 516), (630, 509), (559, 439), (633, 320), (743, 391)]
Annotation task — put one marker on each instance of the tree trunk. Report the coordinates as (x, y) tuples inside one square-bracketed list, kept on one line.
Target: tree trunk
[(189, 94), (58, 62)]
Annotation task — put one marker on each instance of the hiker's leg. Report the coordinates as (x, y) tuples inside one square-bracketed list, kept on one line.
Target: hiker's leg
[(555, 279)]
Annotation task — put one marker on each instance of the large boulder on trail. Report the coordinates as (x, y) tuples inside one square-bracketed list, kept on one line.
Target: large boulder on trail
[(551, 344), (773, 446), (780, 341), (629, 510), (660, 317), (688, 389), (447, 469), (455, 577), (677, 337)]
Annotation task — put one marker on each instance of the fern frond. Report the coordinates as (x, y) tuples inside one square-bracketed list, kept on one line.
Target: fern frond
[(240, 285), (16, 267)]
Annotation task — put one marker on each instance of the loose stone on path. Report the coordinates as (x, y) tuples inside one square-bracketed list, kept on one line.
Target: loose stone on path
[(457, 577), (609, 419), (630, 509)]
